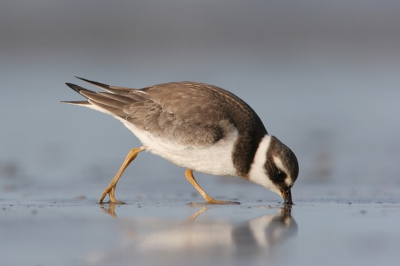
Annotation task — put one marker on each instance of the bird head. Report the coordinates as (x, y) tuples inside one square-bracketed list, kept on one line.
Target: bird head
[(275, 167)]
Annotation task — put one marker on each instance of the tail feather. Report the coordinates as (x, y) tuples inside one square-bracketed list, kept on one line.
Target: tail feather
[(120, 98), (98, 84), (78, 89), (114, 111), (112, 102), (101, 98), (112, 89), (76, 102)]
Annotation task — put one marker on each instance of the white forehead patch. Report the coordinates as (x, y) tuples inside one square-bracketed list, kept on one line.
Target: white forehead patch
[(257, 173), (279, 164)]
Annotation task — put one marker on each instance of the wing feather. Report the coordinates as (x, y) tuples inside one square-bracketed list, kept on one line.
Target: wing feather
[(183, 112)]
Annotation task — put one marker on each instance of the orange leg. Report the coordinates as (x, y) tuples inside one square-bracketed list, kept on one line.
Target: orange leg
[(207, 198), (110, 189)]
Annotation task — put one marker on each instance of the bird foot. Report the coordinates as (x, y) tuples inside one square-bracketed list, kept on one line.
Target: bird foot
[(110, 190)]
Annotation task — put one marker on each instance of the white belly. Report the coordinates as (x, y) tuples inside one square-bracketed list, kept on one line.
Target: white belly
[(214, 159)]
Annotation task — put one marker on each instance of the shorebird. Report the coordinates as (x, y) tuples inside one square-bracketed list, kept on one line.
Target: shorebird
[(200, 127)]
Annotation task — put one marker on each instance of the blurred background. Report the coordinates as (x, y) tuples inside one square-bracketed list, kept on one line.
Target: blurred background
[(322, 75)]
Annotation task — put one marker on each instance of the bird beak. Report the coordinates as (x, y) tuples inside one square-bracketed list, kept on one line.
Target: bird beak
[(287, 196)]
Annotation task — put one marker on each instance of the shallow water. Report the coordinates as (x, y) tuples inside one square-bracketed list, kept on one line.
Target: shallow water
[(143, 232)]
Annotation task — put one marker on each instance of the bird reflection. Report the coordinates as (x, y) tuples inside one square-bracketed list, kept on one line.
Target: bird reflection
[(159, 240), (110, 210), (264, 234)]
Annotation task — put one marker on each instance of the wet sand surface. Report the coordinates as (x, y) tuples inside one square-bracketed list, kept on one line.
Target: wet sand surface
[(153, 230)]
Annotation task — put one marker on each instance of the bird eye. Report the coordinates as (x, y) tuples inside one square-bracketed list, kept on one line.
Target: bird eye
[(281, 175)]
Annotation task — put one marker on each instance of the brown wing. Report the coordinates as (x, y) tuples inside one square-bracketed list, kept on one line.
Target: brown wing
[(184, 112)]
